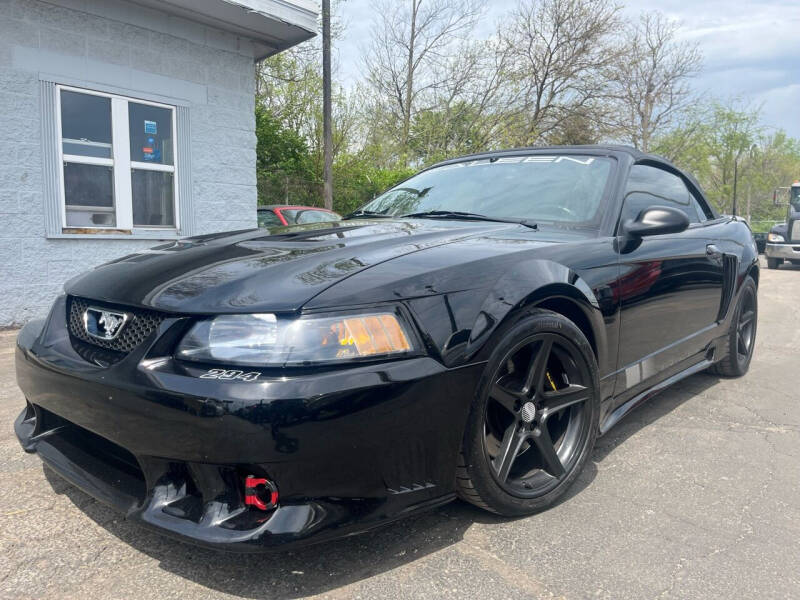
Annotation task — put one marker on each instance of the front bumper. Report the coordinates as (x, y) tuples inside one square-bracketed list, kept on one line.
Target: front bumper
[(348, 449), (785, 251)]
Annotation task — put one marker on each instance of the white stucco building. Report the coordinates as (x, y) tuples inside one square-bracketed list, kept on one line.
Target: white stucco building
[(125, 123)]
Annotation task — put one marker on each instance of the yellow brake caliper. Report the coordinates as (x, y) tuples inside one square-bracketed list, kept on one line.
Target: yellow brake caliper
[(550, 379)]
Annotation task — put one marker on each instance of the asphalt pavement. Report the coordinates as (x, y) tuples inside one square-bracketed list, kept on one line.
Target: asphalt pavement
[(694, 495)]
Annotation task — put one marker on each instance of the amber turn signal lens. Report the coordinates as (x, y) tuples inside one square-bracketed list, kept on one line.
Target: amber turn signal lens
[(373, 334)]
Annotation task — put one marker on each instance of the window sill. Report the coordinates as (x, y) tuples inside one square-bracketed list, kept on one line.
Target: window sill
[(83, 234)]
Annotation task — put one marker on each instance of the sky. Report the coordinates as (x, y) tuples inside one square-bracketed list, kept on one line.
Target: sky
[(751, 49)]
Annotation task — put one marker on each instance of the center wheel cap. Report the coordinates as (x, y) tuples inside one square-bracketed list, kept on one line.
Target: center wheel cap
[(528, 412)]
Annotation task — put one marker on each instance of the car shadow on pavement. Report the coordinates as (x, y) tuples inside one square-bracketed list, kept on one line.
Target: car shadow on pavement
[(322, 568)]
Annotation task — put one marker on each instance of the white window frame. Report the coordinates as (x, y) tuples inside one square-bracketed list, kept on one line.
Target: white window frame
[(120, 162)]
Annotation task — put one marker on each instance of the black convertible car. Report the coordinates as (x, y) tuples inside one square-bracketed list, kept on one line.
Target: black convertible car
[(468, 333)]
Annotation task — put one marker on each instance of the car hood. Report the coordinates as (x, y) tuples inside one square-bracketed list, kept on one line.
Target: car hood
[(780, 229), (275, 270)]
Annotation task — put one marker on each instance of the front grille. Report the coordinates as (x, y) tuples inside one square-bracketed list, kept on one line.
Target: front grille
[(140, 325)]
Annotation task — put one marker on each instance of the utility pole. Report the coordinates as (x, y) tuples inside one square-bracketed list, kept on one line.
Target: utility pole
[(750, 150), (327, 132), (735, 177), (749, 194)]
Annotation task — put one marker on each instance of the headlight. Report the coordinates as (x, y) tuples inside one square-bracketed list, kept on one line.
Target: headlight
[(268, 340), (775, 237)]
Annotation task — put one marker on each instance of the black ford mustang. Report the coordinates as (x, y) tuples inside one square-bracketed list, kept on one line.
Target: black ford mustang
[(470, 332)]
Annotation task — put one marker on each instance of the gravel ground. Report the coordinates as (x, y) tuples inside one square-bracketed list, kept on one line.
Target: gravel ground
[(694, 495)]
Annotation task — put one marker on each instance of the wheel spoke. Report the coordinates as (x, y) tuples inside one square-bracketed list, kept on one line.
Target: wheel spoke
[(505, 396), (553, 402), (542, 376), (746, 318), (509, 448), (741, 345), (551, 462), (534, 382)]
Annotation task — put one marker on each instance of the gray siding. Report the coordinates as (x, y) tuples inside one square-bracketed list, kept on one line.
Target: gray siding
[(117, 47)]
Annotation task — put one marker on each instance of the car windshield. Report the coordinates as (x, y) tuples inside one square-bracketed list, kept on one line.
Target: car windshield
[(300, 216), (794, 197), (267, 218), (549, 188)]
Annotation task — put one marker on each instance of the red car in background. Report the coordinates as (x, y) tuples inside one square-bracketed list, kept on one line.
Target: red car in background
[(280, 214)]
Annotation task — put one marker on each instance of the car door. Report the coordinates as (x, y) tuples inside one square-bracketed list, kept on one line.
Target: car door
[(670, 287)]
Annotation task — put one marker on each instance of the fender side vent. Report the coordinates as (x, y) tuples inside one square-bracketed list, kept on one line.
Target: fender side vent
[(729, 266)]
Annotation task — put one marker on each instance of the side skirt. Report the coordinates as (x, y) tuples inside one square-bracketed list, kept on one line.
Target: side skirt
[(622, 410)]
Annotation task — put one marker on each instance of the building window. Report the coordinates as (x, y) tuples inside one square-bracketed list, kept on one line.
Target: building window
[(118, 162)]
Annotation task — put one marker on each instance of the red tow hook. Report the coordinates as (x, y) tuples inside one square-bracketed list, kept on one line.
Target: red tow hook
[(260, 492)]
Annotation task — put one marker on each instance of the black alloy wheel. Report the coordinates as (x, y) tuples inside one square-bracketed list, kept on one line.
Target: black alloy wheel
[(746, 325), (535, 420), (742, 333)]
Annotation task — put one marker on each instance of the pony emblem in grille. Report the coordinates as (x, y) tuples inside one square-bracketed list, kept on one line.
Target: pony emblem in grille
[(121, 329), (103, 324)]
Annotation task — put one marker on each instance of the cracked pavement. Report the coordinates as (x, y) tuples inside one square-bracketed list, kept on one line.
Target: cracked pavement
[(694, 495)]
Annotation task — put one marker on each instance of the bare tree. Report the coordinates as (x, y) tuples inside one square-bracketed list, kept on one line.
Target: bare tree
[(651, 79), (410, 38), (467, 110), (557, 52)]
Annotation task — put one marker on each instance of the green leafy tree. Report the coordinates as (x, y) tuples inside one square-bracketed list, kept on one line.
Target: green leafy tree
[(278, 147), (726, 144), (356, 180), (444, 133), (732, 135), (282, 156)]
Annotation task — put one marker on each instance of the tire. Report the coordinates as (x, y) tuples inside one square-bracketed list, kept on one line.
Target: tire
[(742, 333), (774, 263), (519, 413)]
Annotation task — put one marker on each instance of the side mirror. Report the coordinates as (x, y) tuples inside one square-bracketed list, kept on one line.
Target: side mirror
[(656, 220)]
